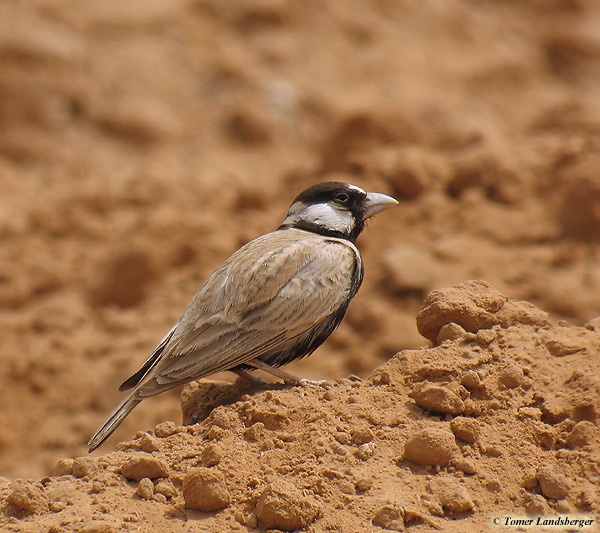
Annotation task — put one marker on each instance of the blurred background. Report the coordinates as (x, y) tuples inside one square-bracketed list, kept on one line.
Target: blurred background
[(142, 142)]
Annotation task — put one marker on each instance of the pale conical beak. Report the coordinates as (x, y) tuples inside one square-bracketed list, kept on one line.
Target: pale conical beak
[(376, 203)]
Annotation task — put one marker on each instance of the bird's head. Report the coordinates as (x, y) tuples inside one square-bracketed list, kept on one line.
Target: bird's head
[(335, 209)]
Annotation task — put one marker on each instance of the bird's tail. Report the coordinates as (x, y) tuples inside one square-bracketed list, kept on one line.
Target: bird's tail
[(113, 421)]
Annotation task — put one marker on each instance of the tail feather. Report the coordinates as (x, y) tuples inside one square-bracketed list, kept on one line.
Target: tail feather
[(113, 421)]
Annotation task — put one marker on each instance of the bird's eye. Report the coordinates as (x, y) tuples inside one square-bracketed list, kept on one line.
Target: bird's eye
[(341, 197)]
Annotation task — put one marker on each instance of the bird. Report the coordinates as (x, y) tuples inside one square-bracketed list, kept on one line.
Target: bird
[(273, 301)]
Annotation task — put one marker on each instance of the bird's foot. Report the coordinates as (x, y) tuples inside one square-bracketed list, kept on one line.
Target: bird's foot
[(320, 383)]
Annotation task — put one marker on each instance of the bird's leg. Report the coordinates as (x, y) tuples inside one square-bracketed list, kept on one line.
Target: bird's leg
[(249, 377), (277, 372), (289, 379)]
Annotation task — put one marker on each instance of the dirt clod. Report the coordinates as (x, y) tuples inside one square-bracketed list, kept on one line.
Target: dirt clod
[(98, 526), (437, 398), (84, 466), (63, 467), (466, 429), (453, 496), (27, 497), (582, 434), (511, 376), (390, 517), (465, 465), (282, 506), (450, 332), (145, 488), (149, 443), (430, 446), (143, 465), (205, 490), (553, 483), (474, 305), (212, 455), (165, 429)]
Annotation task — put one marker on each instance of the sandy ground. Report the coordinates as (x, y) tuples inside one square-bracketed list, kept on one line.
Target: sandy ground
[(496, 422), (142, 142)]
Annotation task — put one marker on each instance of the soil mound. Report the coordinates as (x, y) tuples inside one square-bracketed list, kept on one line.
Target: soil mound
[(499, 420)]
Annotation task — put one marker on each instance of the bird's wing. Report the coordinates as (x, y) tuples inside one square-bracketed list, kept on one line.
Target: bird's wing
[(272, 290), (133, 380)]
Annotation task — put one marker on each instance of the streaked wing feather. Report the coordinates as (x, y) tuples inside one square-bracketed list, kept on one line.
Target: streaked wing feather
[(266, 294), (187, 368)]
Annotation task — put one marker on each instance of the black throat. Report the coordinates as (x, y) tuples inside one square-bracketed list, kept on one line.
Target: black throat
[(326, 231)]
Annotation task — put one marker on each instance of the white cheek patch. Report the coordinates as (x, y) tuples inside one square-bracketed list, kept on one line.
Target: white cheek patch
[(323, 215), (295, 211)]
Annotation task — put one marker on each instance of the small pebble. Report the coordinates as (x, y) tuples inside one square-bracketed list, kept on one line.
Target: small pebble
[(97, 487), (530, 412), (252, 521), (560, 343), (593, 325), (529, 482), (160, 498), (381, 377), (342, 437), (563, 507), (216, 433), (485, 336), (346, 487), (537, 506), (362, 435), (365, 451), (222, 418), (255, 432), (57, 507), (493, 485)]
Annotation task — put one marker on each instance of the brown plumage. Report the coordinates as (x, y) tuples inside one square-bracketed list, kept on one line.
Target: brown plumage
[(274, 300)]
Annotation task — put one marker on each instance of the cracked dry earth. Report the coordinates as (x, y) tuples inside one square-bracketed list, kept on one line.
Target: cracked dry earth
[(498, 417)]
